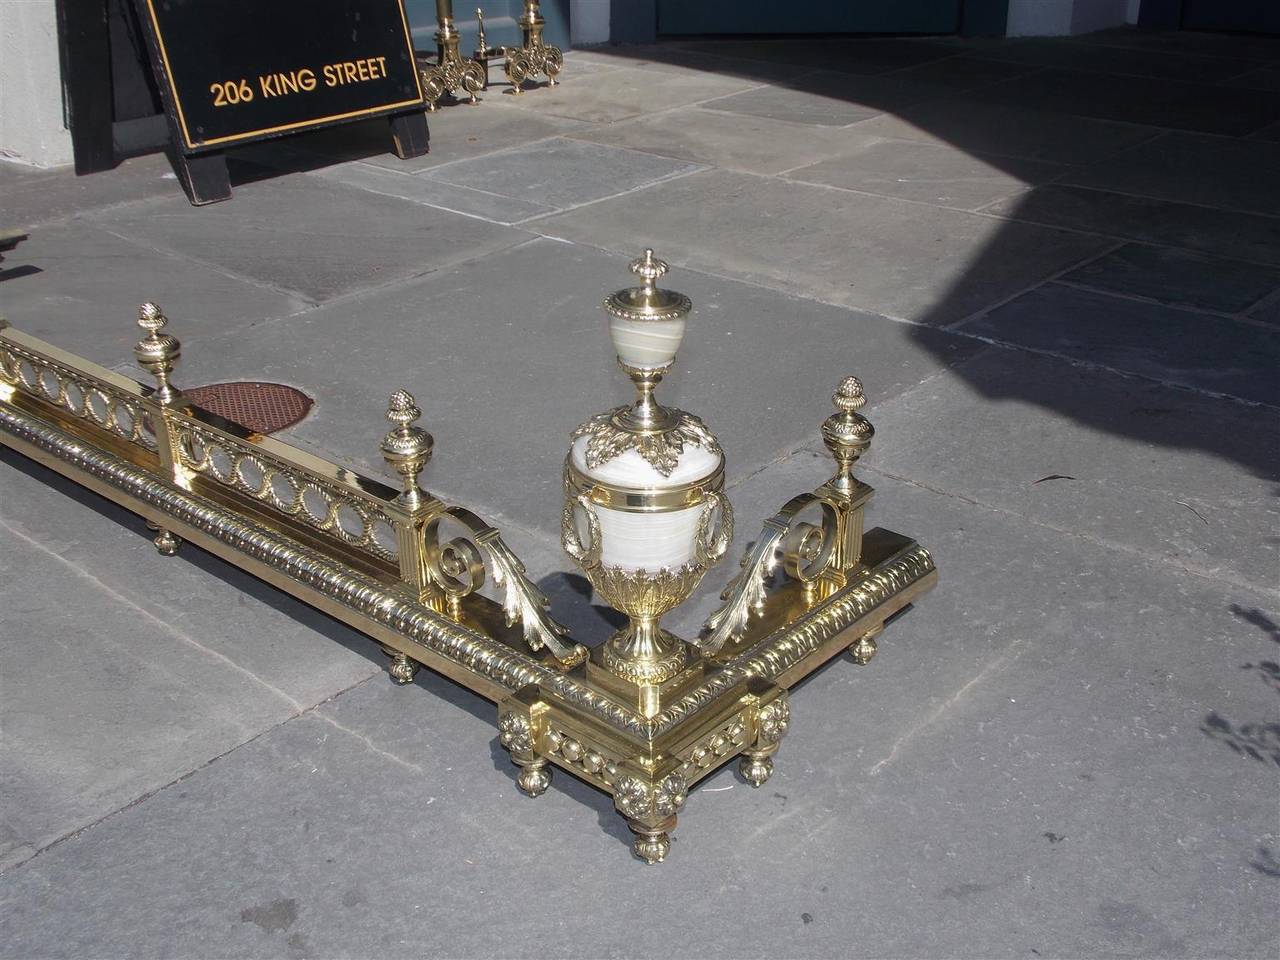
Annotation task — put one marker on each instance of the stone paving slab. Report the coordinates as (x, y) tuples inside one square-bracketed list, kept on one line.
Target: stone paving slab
[(1155, 471), (31, 199), (1192, 168), (965, 73), (148, 668), (90, 283), (1009, 131), (1101, 58), (905, 260), (675, 60), (501, 406), (1271, 133), (830, 99), (870, 55), (1166, 344), (399, 803), (1205, 108), (618, 94), (458, 132), (1262, 78), (303, 234), (1268, 311), (456, 198), (1179, 278), (727, 140), (927, 172), (561, 173), (1238, 45), (1223, 233)]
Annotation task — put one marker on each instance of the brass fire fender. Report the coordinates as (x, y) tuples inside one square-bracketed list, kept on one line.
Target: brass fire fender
[(382, 561)]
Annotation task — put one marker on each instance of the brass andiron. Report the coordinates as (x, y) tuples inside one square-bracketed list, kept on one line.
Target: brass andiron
[(642, 714), (533, 56), (450, 71)]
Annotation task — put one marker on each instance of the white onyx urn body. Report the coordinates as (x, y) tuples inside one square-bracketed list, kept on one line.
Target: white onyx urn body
[(645, 514)]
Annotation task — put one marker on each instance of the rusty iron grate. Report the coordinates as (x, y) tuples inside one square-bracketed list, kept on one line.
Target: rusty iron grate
[(260, 407)]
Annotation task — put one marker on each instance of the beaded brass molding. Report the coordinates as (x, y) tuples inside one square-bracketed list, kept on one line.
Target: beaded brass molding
[(412, 572)]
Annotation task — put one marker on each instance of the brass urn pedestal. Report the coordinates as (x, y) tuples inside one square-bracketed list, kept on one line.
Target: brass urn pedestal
[(642, 715)]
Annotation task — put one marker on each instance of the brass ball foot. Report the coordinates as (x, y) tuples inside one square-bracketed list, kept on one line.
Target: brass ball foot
[(755, 769), (534, 779), (166, 543), (651, 846), (863, 650), (402, 669)]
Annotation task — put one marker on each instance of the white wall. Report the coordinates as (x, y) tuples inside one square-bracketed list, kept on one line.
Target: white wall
[(31, 118), (1056, 18)]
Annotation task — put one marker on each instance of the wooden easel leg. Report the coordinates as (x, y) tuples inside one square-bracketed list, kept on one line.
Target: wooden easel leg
[(204, 177), (410, 134)]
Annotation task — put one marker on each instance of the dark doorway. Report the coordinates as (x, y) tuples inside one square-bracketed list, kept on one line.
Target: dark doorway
[(1245, 16), (691, 17)]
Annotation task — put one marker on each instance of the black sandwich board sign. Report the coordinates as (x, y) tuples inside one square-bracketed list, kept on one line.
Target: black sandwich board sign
[(236, 71)]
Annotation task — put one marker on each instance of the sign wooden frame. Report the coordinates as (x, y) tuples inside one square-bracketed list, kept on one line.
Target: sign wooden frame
[(198, 156)]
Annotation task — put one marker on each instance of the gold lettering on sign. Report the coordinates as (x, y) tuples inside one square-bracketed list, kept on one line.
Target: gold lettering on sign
[(281, 84), (354, 71), (229, 93)]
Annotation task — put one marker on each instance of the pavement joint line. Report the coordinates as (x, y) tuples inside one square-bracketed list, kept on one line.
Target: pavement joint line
[(806, 446), (1185, 203), (613, 251), (368, 742), (1271, 298), (654, 113), (674, 175), (1242, 317), (890, 197), (355, 296), (1013, 217), (427, 173), (208, 265), (605, 124), (153, 618), (1127, 374), (997, 663), (1112, 545), (431, 204), (908, 141), (82, 215), (996, 305), (143, 798)]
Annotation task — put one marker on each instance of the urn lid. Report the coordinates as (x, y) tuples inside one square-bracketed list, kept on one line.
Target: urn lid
[(648, 302)]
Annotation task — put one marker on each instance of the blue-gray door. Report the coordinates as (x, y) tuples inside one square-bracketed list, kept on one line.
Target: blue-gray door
[(808, 16)]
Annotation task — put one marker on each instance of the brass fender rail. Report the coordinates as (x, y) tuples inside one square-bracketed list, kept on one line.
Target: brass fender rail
[(406, 569)]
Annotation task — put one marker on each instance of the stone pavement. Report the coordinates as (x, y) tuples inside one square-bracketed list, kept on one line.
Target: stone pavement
[(1056, 267)]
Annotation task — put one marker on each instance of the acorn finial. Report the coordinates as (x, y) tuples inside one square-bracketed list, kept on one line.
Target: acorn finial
[(406, 448), (849, 396)]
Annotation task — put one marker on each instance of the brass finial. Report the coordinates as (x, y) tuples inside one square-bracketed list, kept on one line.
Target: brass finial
[(406, 448), (649, 268), (846, 432), (849, 396), (157, 352)]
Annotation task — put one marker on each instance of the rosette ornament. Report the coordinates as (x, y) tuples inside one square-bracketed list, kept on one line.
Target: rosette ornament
[(645, 514)]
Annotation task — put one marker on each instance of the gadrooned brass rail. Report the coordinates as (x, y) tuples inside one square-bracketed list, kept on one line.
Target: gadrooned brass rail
[(405, 568)]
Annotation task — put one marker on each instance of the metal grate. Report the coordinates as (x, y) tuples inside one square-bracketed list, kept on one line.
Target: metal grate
[(260, 407)]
